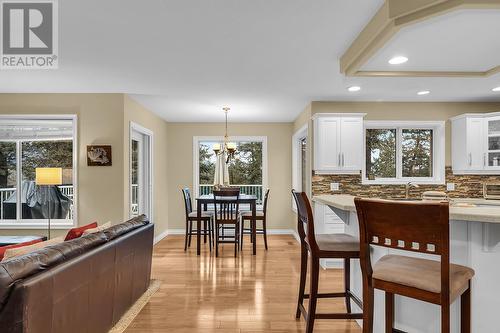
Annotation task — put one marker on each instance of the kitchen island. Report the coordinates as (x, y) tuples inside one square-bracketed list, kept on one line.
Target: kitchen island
[(474, 242)]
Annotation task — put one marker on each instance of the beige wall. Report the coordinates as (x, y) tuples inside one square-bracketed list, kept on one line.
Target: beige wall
[(100, 121), (408, 111), (134, 112), (180, 165)]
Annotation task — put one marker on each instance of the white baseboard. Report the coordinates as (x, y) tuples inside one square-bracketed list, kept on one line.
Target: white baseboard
[(169, 232), (331, 263), (160, 237)]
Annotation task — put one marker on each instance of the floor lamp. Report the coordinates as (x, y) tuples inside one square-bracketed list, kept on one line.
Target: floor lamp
[(48, 177)]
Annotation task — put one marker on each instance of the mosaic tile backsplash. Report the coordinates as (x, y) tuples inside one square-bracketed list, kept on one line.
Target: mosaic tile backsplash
[(466, 186)]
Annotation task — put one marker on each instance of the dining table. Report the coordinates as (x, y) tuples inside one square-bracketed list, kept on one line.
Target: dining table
[(202, 203)]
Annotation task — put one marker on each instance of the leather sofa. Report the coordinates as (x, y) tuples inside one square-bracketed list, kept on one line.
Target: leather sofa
[(81, 285)]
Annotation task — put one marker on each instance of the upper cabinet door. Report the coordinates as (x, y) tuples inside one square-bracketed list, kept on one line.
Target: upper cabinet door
[(475, 159), (492, 146), (338, 143), (326, 143), (351, 143)]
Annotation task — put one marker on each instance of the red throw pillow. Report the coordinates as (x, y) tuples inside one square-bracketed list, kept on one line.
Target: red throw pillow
[(77, 232), (5, 248)]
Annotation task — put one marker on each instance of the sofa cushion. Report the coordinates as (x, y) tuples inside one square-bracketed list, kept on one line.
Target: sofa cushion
[(122, 228), (24, 266), (78, 232), (13, 246), (18, 251)]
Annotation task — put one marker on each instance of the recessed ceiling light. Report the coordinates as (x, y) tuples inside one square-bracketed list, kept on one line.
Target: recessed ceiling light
[(423, 92), (354, 88), (398, 60), (497, 89)]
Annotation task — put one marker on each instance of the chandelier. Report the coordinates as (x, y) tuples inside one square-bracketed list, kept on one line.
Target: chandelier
[(227, 148)]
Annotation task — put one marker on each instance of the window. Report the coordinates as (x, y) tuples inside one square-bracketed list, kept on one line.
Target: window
[(27, 143), (247, 170), (399, 152)]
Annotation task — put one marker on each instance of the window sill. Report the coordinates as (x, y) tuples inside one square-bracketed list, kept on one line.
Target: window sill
[(20, 224)]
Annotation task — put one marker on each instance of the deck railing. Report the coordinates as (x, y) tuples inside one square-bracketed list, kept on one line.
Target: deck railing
[(244, 189), (6, 193)]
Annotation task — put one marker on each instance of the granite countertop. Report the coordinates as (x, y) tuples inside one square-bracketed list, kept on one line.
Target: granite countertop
[(475, 210)]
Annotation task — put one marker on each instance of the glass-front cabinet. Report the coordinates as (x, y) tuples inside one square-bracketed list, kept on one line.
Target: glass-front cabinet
[(492, 154), (475, 143)]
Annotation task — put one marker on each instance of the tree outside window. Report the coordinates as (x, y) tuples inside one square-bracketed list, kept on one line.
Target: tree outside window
[(413, 158)]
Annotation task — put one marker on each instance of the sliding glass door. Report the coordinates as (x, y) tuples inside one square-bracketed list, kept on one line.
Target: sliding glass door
[(140, 171)]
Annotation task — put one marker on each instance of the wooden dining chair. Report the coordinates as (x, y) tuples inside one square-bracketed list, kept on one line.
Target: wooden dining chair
[(226, 212), (192, 216), (421, 227), (330, 246), (260, 216)]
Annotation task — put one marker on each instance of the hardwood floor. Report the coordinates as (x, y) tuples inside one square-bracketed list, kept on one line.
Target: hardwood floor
[(227, 294)]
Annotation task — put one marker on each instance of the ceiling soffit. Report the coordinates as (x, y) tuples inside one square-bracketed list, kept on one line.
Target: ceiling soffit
[(390, 19)]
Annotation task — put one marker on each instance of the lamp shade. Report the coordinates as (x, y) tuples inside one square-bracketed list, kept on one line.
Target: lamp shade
[(48, 176)]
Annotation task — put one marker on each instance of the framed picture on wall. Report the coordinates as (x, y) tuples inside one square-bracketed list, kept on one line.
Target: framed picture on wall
[(99, 155)]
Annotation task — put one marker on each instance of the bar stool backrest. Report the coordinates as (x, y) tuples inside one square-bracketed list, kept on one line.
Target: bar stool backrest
[(226, 205), (305, 218), (266, 197), (410, 226), (187, 200)]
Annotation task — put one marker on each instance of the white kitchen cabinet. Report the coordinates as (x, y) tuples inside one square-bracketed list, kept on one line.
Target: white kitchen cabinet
[(326, 221), (338, 143), (475, 143)]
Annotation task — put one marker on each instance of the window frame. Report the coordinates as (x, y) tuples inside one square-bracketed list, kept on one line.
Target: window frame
[(438, 149), (42, 224), (196, 157)]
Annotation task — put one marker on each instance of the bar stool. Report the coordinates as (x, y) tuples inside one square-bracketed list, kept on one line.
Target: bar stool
[(331, 246), (418, 227), (192, 216), (260, 216)]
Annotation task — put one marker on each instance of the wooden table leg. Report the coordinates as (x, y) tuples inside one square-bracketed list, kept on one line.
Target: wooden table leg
[(254, 227)]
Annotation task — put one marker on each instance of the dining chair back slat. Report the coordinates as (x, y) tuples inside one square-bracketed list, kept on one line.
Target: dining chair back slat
[(186, 194), (226, 209)]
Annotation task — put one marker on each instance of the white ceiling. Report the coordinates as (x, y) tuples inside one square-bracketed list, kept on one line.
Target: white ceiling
[(185, 59), (465, 40)]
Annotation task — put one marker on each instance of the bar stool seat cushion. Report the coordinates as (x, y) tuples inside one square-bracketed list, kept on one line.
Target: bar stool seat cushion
[(422, 274), (249, 214), (338, 243), (205, 215)]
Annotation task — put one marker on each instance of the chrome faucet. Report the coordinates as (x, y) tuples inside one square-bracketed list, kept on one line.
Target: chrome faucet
[(408, 186)]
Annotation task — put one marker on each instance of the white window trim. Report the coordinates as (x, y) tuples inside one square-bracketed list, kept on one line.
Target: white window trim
[(438, 128), (39, 224), (297, 161), (150, 165), (196, 157)]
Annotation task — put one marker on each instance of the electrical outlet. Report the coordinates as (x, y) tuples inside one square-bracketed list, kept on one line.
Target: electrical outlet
[(334, 186), (450, 186)]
